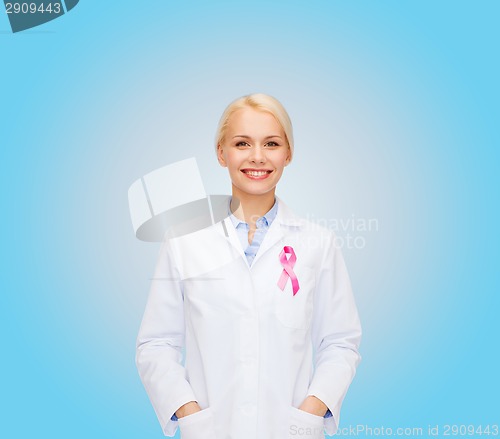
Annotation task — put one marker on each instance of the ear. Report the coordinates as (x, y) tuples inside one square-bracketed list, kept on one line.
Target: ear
[(288, 157), (220, 156)]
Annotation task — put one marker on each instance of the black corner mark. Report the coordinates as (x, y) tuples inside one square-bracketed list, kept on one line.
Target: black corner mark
[(25, 14)]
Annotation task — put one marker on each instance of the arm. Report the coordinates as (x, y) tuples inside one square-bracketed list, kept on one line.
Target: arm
[(160, 342), (336, 334)]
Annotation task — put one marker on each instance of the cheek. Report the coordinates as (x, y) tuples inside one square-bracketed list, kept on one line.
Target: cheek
[(280, 161), (232, 165), (225, 156), (234, 158)]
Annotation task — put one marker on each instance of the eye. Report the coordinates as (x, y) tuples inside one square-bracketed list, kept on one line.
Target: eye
[(242, 144), (271, 144)]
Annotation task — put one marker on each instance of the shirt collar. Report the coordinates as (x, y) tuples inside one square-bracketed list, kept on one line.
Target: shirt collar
[(268, 218)]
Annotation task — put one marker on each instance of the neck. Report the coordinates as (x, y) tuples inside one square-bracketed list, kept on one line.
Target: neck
[(249, 207)]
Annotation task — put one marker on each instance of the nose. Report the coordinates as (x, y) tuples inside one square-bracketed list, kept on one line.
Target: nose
[(257, 154)]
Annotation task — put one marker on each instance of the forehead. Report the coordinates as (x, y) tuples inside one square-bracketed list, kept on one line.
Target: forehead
[(249, 121)]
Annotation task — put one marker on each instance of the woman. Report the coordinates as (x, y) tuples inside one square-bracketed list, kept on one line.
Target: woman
[(261, 302)]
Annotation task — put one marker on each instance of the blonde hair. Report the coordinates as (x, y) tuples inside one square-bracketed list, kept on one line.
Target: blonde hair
[(260, 102)]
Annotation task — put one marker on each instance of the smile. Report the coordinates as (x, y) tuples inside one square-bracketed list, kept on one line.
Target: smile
[(256, 174)]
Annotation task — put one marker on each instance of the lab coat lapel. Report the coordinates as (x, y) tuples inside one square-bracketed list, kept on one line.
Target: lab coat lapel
[(224, 225), (273, 235), (232, 237), (284, 222)]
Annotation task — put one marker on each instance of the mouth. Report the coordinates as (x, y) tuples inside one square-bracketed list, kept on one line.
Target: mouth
[(257, 174)]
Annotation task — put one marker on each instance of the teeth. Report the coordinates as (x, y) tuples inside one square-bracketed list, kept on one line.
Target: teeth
[(256, 173)]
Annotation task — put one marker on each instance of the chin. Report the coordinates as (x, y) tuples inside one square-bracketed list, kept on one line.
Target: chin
[(255, 191)]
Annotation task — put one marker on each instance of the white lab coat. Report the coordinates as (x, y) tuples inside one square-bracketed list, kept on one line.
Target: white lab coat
[(253, 352)]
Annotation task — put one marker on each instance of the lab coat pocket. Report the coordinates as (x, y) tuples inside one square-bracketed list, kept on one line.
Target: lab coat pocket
[(305, 425), (295, 311), (199, 425)]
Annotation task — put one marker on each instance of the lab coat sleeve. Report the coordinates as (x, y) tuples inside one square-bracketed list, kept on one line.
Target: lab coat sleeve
[(336, 334), (160, 343)]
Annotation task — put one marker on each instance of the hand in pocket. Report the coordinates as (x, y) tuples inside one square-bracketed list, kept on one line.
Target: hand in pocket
[(305, 425), (199, 425)]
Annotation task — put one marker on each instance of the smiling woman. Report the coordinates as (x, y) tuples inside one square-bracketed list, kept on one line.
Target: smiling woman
[(269, 324), (253, 142), (255, 159)]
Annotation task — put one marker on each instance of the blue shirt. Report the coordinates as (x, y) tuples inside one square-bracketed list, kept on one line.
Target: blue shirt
[(262, 224)]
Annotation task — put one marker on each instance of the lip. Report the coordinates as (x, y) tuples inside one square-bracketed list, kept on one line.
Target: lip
[(246, 172)]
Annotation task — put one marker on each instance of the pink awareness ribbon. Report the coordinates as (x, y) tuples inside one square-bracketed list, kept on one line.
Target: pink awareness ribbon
[(288, 265)]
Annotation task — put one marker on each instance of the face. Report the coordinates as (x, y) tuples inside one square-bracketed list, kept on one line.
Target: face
[(255, 151)]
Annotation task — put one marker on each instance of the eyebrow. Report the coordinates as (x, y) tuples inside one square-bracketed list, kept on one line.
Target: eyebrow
[(265, 138)]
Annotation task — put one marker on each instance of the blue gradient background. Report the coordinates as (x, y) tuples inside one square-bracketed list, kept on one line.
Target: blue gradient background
[(395, 109)]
